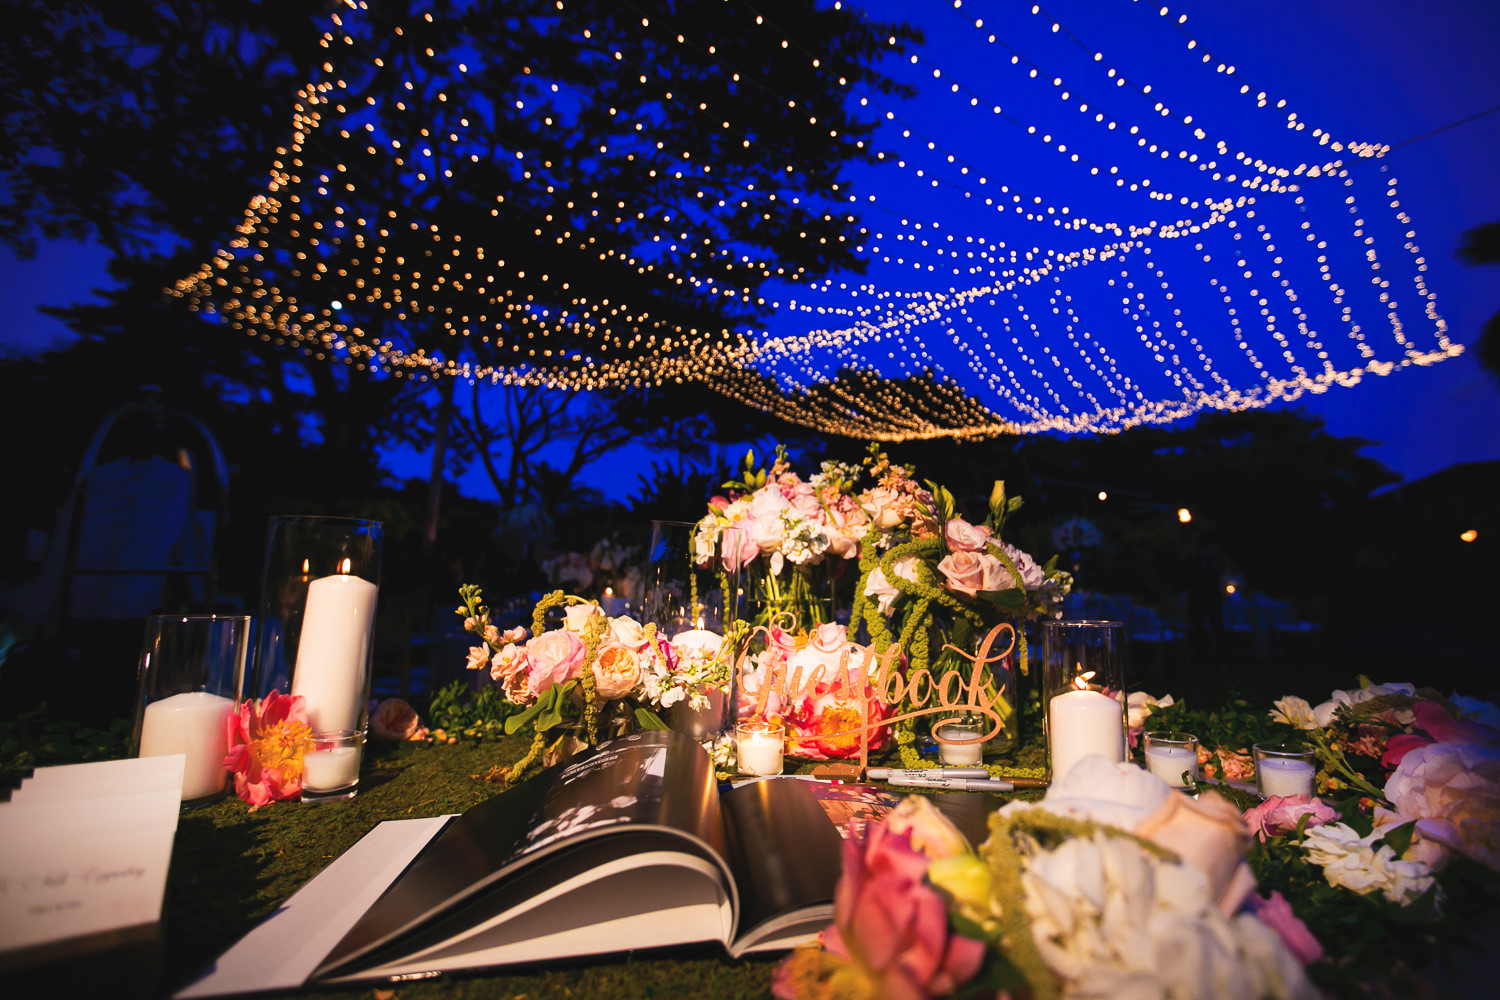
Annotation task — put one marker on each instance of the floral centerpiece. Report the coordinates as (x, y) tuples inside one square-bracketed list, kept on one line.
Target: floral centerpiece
[(590, 677), (934, 580), (1113, 885), (794, 533), (1399, 846)]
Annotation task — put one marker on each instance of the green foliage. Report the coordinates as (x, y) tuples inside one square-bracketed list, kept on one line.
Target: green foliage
[(33, 740), (473, 715), (1236, 725)]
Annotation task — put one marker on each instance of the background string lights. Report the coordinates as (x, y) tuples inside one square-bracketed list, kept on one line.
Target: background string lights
[(1058, 239)]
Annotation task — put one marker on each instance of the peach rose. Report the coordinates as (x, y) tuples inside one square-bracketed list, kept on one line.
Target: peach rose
[(394, 719), (968, 573), (617, 671)]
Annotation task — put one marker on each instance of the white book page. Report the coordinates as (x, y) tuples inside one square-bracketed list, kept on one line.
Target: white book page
[(284, 950), (649, 900)]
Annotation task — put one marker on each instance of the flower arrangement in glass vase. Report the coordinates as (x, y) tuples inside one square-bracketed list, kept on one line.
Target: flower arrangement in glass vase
[(940, 585), (796, 535), (591, 677)]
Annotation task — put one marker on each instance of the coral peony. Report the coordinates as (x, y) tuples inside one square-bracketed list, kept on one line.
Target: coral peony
[(266, 742), (556, 657)]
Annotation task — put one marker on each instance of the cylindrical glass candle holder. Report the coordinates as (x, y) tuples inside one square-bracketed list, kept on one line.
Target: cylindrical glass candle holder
[(1285, 768), (191, 676), (759, 746), (330, 770), (316, 632), (1173, 757), (961, 739), (1083, 701)]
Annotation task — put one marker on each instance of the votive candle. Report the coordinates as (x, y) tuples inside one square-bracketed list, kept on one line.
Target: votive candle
[(759, 747)]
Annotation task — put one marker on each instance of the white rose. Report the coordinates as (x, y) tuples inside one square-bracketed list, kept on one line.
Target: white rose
[(1350, 861), (629, 633), (578, 616), (884, 592)]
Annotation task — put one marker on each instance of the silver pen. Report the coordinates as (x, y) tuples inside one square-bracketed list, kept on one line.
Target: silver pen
[(899, 774), (958, 784)]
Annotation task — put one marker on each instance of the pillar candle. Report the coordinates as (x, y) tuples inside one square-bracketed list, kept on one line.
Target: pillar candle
[(1082, 723), (697, 639), (191, 724), (334, 650)]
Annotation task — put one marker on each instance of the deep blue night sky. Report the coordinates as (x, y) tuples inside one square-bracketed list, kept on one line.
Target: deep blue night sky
[(1377, 71)]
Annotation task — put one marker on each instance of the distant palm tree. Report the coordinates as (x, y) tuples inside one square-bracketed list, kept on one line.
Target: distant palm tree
[(1483, 247)]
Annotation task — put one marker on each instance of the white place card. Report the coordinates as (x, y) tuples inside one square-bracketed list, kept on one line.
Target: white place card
[(84, 855)]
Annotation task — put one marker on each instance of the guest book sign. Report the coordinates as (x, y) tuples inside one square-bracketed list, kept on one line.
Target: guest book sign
[(86, 849)]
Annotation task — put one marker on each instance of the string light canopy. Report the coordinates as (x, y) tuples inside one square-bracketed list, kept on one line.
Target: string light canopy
[(1041, 242)]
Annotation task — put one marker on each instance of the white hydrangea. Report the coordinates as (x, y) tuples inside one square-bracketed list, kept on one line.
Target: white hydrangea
[(1351, 861), (1114, 921)]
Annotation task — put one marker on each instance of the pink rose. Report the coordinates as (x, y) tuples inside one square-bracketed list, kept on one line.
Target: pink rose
[(830, 637), (394, 719), (1276, 913), (893, 926), (617, 671), (1280, 815), (965, 537), (968, 573), (556, 657), (1452, 790)]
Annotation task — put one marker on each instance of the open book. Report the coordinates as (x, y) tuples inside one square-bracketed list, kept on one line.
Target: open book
[(629, 845)]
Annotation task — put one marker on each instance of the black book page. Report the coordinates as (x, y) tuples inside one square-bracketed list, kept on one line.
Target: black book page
[(785, 854), (658, 780)]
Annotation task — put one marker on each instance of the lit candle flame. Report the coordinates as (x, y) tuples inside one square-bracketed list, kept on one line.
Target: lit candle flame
[(306, 565), (700, 621), (609, 592), (344, 566), (1081, 682)]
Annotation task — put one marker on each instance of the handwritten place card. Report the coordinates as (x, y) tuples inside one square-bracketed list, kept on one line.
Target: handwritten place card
[(86, 849)]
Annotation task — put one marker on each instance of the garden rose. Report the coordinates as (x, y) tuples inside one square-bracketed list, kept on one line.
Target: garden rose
[(883, 506), (968, 573), (394, 719), (962, 536), (1453, 791), (1280, 815), (556, 657), (576, 617), (1032, 575), (884, 592), (629, 633), (617, 671), (889, 927)]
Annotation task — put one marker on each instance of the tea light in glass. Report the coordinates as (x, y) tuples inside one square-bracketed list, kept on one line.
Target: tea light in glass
[(759, 746), (1285, 768), (1173, 757)]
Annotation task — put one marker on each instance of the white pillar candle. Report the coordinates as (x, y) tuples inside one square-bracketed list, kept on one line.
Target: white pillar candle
[(192, 724), (959, 753), (334, 650), (330, 770), (760, 751), (1168, 763), (696, 640), (1285, 776), (1083, 723)]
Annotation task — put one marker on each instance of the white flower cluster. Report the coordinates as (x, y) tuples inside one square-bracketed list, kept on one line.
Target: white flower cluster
[(697, 670), (1352, 861), (804, 541), (1113, 920)]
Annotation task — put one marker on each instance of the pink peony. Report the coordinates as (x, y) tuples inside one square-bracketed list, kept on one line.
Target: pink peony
[(266, 742), (394, 719), (1439, 723), (1276, 913), (962, 536), (968, 573), (1280, 815), (1452, 790), (556, 657)]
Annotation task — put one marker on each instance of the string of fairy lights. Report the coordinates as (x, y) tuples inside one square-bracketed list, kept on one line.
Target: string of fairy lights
[(958, 331)]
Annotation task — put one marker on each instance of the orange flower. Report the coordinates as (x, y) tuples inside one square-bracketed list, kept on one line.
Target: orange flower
[(266, 742)]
